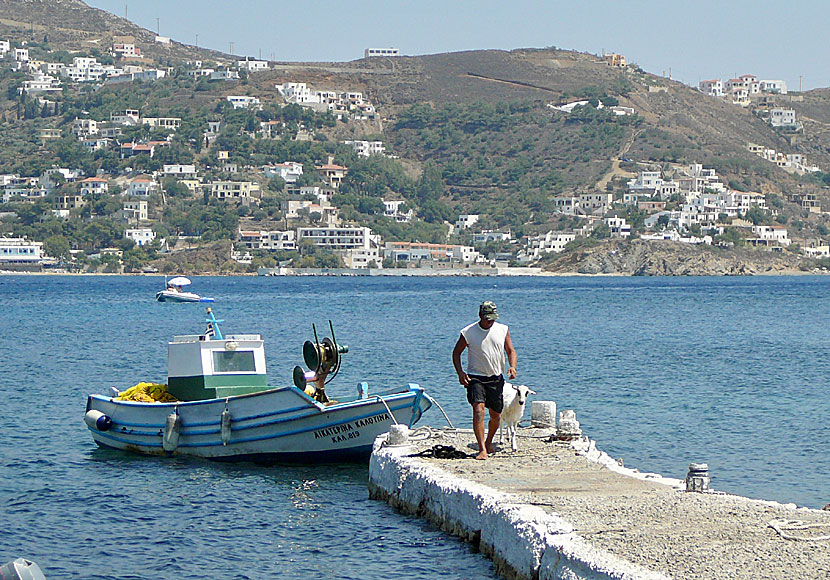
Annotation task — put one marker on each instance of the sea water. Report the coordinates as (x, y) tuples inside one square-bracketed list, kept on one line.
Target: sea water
[(662, 372)]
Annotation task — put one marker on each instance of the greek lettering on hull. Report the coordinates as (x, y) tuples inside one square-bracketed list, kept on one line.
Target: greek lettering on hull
[(338, 432)]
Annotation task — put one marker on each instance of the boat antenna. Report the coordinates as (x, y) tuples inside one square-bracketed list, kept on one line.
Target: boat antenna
[(213, 325)]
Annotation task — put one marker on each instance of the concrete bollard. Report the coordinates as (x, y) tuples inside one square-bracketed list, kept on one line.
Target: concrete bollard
[(698, 477), (568, 428), (398, 435), (543, 414)]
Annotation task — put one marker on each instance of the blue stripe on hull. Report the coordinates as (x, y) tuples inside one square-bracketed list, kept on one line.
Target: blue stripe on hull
[(352, 455)]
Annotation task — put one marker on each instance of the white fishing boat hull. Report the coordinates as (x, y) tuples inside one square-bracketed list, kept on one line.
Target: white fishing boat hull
[(172, 296), (282, 424)]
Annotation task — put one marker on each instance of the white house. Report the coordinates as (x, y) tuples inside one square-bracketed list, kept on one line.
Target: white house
[(84, 127), (21, 54), (698, 180), (375, 52), (782, 118), (486, 236), (20, 251), (701, 215), (201, 72), (141, 236), (268, 240), (358, 246), (126, 49), (94, 186), (126, 117), (180, 171), (419, 251), (649, 184), (243, 102), (467, 220), (392, 210), (713, 87), (770, 235), (752, 85), (774, 87), (95, 143), (619, 227), (142, 187), (297, 93), (367, 148), (567, 204), (252, 65), (170, 123), (290, 171), (41, 83), (596, 203), (5, 47), (546, 243), (743, 201), (224, 75)]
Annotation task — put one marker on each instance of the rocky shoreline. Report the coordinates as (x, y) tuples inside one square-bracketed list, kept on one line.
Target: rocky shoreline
[(666, 258)]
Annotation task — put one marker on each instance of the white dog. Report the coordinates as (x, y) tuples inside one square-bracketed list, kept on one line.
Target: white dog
[(515, 397)]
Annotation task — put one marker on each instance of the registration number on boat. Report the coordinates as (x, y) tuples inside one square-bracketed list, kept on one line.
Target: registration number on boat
[(347, 431)]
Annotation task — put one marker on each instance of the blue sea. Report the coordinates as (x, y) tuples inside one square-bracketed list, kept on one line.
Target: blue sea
[(660, 371)]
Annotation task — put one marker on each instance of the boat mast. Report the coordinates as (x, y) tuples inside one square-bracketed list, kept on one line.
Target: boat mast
[(213, 324)]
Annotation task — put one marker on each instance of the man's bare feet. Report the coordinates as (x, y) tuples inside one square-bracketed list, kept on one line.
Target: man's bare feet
[(482, 456), (491, 448)]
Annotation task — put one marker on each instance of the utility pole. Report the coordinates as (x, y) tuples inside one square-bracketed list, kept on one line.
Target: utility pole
[(197, 40), (231, 43), (125, 12), (799, 83), (158, 27)]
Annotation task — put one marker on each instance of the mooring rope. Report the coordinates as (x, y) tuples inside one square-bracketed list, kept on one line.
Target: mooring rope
[(783, 527)]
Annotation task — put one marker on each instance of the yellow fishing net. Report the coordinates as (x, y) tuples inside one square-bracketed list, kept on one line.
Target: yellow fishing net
[(147, 393)]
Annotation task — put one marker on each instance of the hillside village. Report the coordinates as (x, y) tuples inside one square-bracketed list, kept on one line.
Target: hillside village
[(264, 182)]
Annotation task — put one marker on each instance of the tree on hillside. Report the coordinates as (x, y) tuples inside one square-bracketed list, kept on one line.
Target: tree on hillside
[(431, 185), (56, 246)]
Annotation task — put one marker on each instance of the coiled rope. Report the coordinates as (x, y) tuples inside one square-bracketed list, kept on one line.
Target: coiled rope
[(785, 527)]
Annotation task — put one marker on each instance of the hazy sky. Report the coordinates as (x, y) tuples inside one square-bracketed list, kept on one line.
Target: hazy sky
[(694, 40)]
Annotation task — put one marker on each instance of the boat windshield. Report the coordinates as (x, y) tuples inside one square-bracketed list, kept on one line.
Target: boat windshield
[(233, 361)]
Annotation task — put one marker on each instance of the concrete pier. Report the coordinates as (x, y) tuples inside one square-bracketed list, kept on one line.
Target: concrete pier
[(567, 511)]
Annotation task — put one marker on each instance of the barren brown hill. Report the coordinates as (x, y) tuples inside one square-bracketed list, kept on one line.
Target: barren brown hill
[(73, 25)]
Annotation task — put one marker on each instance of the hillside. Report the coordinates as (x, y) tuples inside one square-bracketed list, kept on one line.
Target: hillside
[(72, 25), (468, 132), (676, 124)]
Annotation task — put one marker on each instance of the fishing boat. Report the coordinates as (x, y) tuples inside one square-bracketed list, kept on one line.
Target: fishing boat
[(217, 404), (173, 292)]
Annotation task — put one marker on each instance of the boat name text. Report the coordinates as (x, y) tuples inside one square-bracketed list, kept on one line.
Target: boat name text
[(346, 431)]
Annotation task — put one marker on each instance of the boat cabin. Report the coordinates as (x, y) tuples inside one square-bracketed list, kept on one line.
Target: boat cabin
[(203, 367)]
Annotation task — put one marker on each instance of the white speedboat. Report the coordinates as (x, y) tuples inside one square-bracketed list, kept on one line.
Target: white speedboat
[(174, 292), (225, 410)]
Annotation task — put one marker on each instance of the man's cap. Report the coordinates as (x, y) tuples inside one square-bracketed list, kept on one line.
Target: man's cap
[(488, 310)]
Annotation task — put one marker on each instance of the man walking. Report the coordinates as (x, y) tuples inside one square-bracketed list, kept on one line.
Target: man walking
[(488, 341)]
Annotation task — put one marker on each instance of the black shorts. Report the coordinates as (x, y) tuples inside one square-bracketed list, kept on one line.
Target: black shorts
[(487, 390)]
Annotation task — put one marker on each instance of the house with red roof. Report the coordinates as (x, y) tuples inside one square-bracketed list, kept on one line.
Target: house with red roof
[(94, 186)]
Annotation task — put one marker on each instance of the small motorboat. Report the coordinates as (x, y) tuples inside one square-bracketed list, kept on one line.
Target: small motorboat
[(217, 404), (174, 292)]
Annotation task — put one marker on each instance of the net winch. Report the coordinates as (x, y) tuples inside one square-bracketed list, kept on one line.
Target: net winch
[(323, 359)]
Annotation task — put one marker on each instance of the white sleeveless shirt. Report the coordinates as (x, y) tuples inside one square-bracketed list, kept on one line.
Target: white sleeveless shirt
[(485, 349)]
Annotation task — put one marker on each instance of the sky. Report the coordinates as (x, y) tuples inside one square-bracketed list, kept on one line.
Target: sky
[(689, 41)]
